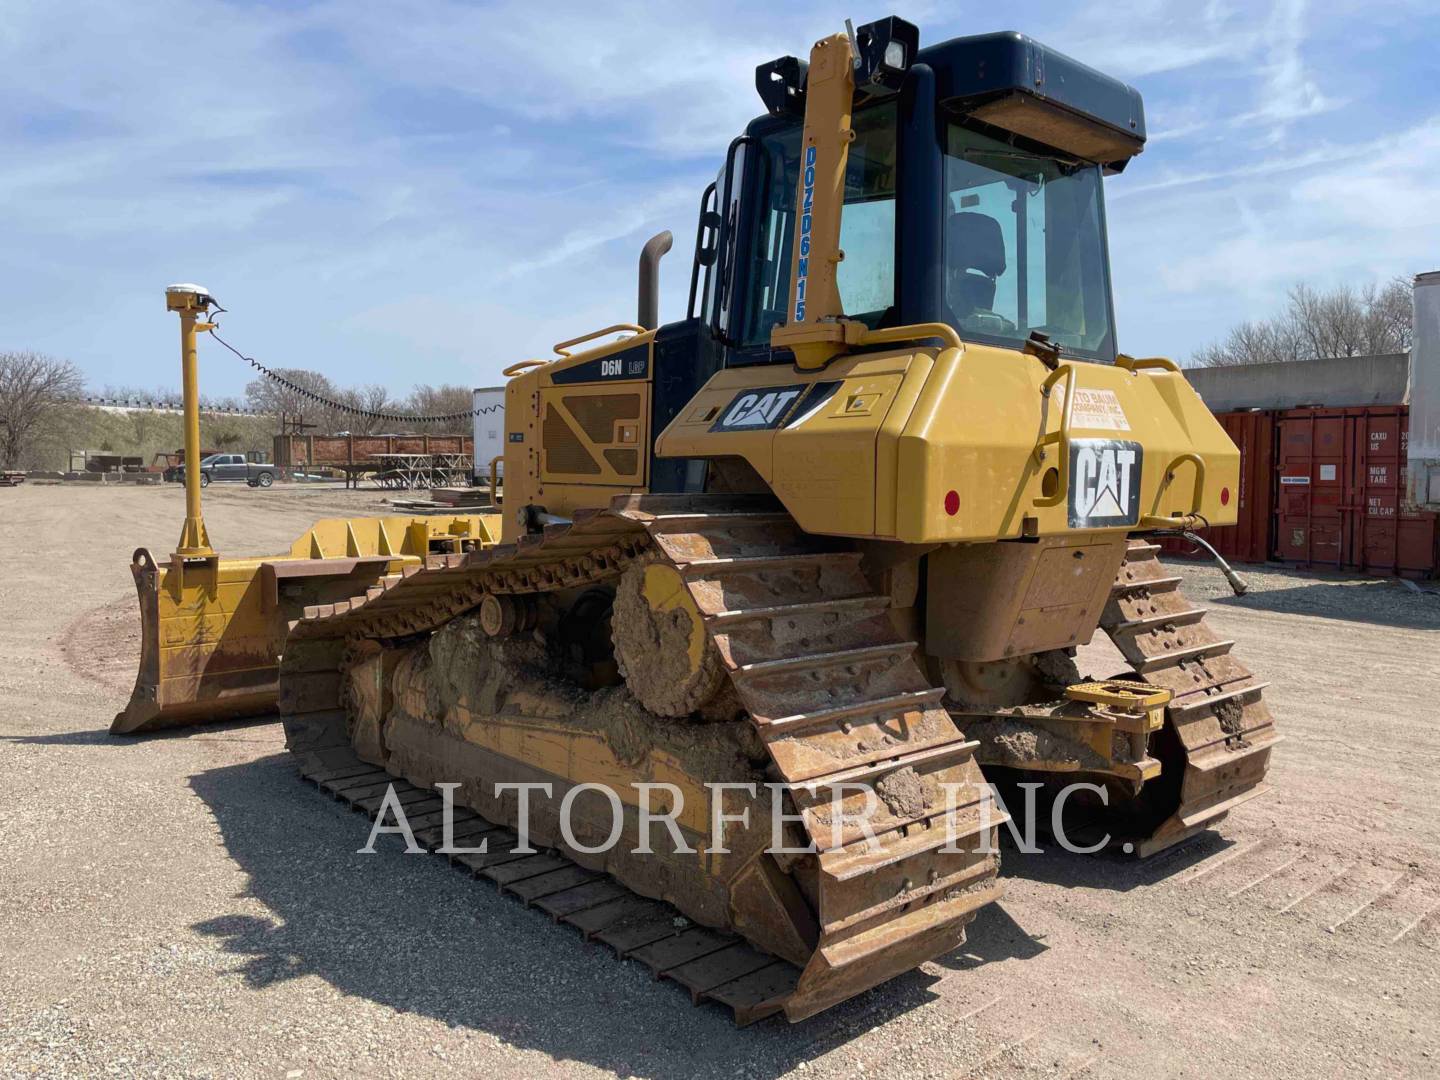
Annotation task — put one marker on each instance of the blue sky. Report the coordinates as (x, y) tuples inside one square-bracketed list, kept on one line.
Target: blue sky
[(427, 192)]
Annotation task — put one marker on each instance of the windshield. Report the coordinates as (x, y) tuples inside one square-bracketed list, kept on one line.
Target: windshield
[(1024, 246), (866, 277)]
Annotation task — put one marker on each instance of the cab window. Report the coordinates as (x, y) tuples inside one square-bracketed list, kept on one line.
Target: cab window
[(866, 276), (1024, 246)]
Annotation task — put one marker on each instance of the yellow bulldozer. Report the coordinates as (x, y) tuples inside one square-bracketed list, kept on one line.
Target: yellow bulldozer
[(819, 556)]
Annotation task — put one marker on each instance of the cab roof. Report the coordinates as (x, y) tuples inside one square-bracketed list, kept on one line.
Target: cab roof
[(1008, 81)]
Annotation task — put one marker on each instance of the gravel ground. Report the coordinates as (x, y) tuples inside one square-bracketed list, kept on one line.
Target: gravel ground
[(1386, 601), (182, 905)]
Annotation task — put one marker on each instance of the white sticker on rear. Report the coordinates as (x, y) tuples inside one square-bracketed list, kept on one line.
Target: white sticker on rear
[(1098, 409)]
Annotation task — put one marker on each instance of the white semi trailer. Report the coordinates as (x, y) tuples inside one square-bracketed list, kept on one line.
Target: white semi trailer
[(1423, 478), (489, 406)]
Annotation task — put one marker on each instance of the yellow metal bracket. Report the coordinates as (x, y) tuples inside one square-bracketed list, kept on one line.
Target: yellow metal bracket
[(1121, 693), (1136, 707)]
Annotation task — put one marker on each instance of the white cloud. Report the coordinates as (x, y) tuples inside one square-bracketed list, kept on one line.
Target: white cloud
[(1140, 38), (1191, 260), (1291, 91), (430, 191)]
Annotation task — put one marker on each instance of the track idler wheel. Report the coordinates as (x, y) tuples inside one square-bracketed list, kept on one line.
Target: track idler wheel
[(668, 660)]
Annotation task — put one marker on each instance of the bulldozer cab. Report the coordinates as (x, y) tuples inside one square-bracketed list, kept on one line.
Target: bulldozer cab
[(972, 198)]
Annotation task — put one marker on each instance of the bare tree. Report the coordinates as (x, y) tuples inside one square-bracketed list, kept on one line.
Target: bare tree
[(1268, 342), (455, 401), (306, 396), (33, 387), (1344, 321), (369, 399), (1391, 315), (313, 397)]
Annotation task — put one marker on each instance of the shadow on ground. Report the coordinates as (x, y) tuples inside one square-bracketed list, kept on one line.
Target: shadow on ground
[(411, 933), (102, 736), (1381, 602), (1378, 602)]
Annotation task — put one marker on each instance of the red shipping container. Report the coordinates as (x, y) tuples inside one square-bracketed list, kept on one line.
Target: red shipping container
[(1341, 478), (1248, 540)]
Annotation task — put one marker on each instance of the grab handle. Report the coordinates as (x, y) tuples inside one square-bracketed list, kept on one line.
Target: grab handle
[(1129, 363), (914, 332), (1060, 436), (1158, 521), (515, 369)]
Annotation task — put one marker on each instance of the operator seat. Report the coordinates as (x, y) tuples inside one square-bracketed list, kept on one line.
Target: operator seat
[(975, 257)]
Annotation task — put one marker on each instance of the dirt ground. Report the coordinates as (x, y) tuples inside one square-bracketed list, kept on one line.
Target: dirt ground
[(183, 905)]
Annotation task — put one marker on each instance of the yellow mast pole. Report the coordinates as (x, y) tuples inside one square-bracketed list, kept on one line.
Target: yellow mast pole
[(192, 303), (815, 328)]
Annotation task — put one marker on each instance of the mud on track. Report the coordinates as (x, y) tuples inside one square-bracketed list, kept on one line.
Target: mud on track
[(183, 904)]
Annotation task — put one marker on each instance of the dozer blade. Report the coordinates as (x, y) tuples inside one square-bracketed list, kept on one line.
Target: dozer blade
[(207, 650), (212, 631)]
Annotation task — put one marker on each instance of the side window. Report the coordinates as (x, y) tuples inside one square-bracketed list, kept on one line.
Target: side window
[(724, 277), (1036, 246), (767, 292), (866, 277)]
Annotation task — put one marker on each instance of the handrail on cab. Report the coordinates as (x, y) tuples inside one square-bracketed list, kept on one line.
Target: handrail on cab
[(1061, 435), (914, 332), (523, 365), (1129, 363), (563, 348), (1157, 521)]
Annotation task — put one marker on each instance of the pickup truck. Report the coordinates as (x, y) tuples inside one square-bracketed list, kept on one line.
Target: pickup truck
[(233, 467)]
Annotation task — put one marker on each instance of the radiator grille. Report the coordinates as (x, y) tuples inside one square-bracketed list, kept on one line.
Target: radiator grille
[(564, 452), (598, 413), (624, 462)]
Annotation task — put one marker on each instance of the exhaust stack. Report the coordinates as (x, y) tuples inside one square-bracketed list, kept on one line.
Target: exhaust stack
[(650, 256)]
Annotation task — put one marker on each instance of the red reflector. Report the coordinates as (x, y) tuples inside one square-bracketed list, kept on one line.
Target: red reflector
[(1224, 496), (952, 503)]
